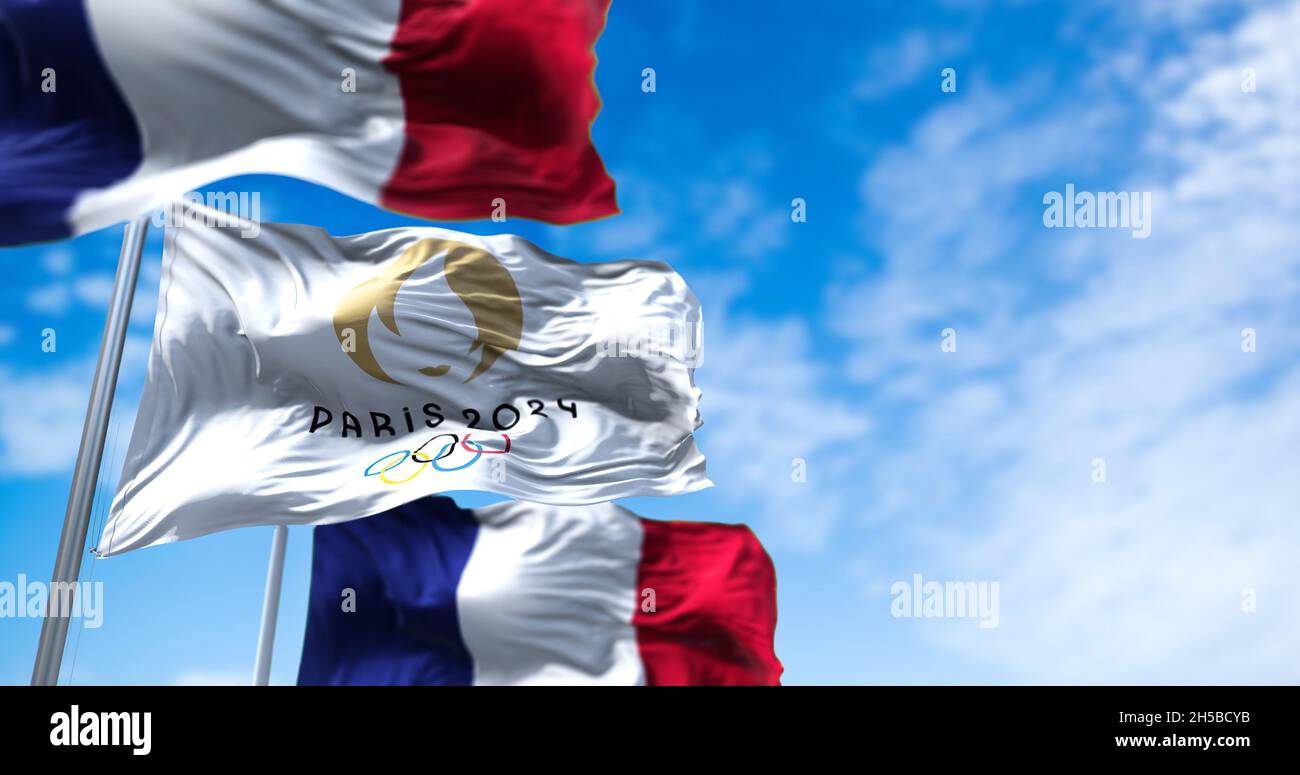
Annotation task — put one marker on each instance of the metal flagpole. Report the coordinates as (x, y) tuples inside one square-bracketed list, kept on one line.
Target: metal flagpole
[(270, 607), (72, 542)]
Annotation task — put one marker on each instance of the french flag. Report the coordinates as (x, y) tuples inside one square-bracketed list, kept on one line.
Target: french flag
[(445, 109), (520, 593)]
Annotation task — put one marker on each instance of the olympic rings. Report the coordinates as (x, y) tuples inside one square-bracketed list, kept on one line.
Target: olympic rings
[(383, 474), (472, 461), (447, 450), (383, 478), (485, 451), (440, 456), (405, 454)]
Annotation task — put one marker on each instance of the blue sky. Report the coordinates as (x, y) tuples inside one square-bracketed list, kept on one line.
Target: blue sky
[(823, 342)]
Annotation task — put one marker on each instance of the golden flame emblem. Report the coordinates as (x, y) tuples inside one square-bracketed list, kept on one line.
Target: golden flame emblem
[(476, 276)]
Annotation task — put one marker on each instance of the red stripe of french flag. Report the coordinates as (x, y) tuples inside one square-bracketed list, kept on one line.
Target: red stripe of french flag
[(501, 91), (714, 613)]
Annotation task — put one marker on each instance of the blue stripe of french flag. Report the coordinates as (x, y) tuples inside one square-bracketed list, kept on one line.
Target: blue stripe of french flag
[(519, 593), (437, 108)]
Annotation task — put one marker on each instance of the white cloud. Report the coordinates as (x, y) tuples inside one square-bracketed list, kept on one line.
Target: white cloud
[(58, 261), (1082, 345), (52, 299), (7, 335), (738, 212), (910, 56), (93, 290), (767, 405), (41, 419), (727, 209), (43, 412), (628, 236), (638, 230), (727, 206)]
